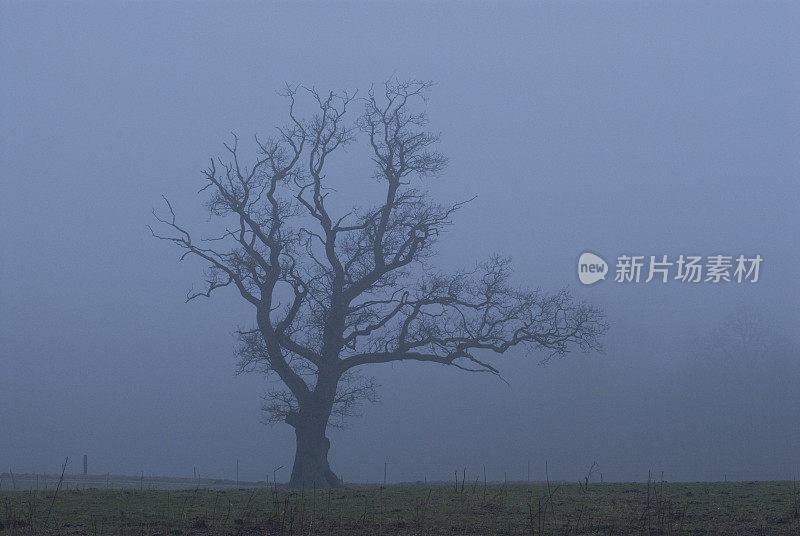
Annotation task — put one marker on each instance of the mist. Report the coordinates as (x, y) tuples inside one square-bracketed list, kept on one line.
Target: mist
[(621, 129)]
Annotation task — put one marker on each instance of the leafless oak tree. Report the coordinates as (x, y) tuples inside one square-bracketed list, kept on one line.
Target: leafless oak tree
[(332, 292)]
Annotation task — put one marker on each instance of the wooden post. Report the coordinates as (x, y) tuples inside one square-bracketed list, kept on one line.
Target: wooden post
[(85, 464)]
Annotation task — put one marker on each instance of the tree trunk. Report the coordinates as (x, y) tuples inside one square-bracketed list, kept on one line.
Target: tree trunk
[(311, 467)]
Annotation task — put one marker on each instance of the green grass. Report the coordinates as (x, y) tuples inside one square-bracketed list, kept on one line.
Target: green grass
[(736, 508)]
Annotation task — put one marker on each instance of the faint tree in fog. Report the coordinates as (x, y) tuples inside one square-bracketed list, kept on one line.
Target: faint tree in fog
[(333, 291), (741, 335)]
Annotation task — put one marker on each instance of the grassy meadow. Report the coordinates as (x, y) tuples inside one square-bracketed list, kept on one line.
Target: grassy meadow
[(471, 508)]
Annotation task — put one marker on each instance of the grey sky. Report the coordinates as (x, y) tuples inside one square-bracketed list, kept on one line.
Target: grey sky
[(618, 127)]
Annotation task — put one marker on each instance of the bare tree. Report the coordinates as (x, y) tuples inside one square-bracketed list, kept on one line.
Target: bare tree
[(742, 336), (333, 292)]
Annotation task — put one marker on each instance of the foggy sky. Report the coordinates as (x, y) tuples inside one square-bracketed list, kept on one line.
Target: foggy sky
[(619, 128)]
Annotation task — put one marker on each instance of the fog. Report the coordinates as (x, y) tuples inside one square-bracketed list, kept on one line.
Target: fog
[(620, 128)]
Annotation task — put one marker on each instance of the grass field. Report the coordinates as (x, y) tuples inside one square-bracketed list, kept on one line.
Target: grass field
[(731, 508)]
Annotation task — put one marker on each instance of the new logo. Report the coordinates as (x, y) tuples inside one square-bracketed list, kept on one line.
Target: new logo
[(591, 268)]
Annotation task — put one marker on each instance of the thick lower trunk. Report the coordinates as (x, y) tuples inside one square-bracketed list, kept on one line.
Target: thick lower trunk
[(311, 469)]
